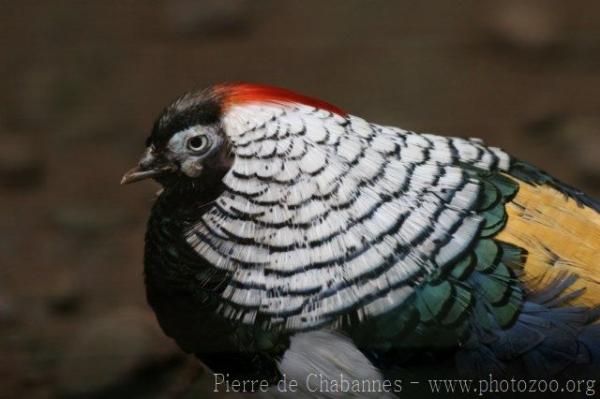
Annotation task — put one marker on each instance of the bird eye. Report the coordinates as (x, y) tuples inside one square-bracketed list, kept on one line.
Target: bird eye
[(197, 143)]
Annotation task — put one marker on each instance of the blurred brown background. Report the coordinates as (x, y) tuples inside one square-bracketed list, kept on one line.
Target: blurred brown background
[(80, 84)]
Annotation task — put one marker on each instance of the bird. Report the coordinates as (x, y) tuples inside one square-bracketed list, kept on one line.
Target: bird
[(287, 227)]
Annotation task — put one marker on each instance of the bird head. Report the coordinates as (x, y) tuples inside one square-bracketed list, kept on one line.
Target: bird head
[(186, 140), (189, 140)]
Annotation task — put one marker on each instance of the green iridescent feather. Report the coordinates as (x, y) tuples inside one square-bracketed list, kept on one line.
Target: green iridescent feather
[(478, 288)]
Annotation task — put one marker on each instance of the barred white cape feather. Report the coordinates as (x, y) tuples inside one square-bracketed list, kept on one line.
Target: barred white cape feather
[(326, 214)]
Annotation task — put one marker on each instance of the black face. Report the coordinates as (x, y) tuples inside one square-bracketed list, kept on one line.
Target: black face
[(189, 110), (186, 144)]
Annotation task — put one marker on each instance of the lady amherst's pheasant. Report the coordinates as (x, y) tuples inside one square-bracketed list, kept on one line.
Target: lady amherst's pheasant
[(286, 224)]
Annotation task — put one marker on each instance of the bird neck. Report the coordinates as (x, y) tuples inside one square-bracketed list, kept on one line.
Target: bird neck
[(188, 198), (168, 256)]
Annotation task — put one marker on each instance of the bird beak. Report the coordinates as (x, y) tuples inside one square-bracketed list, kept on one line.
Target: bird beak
[(137, 173), (146, 169)]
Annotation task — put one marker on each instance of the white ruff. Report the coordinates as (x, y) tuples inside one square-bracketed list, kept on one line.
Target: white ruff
[(327, 214)]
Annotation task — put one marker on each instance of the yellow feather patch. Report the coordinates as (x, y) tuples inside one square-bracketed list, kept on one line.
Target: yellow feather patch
[(559, 235)]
